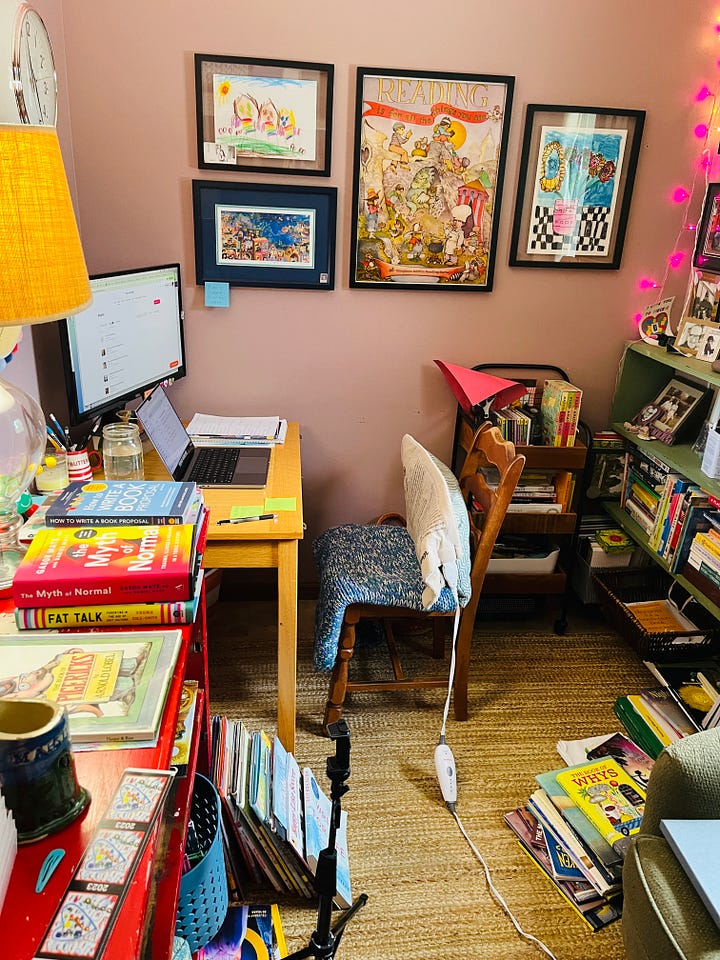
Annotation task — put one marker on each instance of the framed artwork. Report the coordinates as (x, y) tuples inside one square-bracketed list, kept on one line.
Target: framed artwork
[(256, 235), (663, 418), (576, 179), (269, 116), (707, 245), (692, 334), (429, 161)]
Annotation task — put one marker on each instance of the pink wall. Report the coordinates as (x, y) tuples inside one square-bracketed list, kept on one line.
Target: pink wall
[(354, 367)]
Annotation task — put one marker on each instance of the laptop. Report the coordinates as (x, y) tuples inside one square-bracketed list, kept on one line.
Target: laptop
[(230, 467)]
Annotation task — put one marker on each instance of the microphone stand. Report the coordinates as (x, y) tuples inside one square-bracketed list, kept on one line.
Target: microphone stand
[(326, 937)]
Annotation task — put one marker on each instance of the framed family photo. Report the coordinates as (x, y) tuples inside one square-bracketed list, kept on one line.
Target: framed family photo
[(671, 410), (269, 116), (707, 246), (429, 162), (577, 172), (257, 235)]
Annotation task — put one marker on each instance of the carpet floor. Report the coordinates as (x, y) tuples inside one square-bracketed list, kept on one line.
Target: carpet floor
[(427, 893)]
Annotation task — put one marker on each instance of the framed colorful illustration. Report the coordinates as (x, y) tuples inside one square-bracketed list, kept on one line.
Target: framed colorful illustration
[(707, 245), (270, 116), (256, 235), (429, 161), (577, 172)]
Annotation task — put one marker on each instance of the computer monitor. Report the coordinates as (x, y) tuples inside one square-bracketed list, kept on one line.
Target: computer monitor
[(128, 340)]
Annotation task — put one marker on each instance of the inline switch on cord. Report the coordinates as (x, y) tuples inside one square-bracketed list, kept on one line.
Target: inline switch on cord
[(445, 769)]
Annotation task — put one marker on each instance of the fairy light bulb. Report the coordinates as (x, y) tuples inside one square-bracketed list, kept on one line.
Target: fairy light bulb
[(647, 284), (676, 258), (703, 93), (701, 131), (680, 194)]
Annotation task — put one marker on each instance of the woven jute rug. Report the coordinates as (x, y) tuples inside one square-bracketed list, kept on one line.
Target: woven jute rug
[(427, 894)]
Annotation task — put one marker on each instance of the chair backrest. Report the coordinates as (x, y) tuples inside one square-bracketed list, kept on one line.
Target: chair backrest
[(487, 502)]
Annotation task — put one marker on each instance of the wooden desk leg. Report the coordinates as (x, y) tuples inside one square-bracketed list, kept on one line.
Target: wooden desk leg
[(287, 640)]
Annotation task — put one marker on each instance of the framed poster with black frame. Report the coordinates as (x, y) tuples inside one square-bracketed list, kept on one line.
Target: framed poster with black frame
[(428, 172), (707, 245), (577, 172), (269, 116), (260, 235)]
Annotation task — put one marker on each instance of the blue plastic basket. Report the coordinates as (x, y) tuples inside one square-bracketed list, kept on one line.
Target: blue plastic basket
[(203, 899)]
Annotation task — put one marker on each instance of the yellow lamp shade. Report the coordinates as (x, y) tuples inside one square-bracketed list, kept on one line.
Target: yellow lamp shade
[(42, 267)]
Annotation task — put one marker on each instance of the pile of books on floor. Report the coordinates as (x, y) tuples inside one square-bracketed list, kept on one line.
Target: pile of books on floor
[(276, 817), (114, 553), (560, 413), (577, 824)]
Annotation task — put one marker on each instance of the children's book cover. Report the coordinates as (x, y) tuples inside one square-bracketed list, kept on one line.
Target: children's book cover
[(247, 933), (318, 811), (66, 566), (123, 503), (609, 798), (113, 685), (634, 761)]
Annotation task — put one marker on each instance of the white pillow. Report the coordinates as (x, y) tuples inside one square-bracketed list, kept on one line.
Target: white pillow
[(430, 520)]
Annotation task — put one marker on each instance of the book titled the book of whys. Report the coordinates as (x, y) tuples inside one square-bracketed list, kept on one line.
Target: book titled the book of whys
[(113, 685), (611, 800)]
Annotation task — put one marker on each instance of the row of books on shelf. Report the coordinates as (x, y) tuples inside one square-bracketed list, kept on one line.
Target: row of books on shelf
[(276, 817), (538, 491), (132, 556), (560, 412)]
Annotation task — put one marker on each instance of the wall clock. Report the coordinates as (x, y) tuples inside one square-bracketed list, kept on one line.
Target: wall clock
[(30, 93)]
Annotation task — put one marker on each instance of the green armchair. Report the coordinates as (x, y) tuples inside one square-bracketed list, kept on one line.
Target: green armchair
[(663, 916)]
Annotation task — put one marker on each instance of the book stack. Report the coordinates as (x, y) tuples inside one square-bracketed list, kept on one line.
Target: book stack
[(576, 826), (694, 686), (114, 553), (537, 491), (560, 412), (276, 816)]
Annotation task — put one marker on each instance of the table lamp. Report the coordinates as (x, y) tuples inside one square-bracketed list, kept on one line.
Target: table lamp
[(43, 277)]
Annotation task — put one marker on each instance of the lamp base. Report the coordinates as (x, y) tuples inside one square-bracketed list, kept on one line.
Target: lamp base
[(11, 550)]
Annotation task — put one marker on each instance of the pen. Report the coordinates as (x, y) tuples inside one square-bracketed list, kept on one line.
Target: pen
[(61, 434), (54, 440), (263, 516)]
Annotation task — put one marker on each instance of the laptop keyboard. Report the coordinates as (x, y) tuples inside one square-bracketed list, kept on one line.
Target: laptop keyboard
[(215, 465)]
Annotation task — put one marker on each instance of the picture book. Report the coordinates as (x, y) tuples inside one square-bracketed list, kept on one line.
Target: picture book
[(110, 615), (667, 711), (114, 685), (636, 727), (684, 681), (247, 933), (317, 810), (633, 759), (124, 503), (610, 799), (696, 844), (68, 566), (184, 727), (595, 910)]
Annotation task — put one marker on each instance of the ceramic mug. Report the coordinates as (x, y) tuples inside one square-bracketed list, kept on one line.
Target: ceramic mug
[(37, 767), (83, 463)]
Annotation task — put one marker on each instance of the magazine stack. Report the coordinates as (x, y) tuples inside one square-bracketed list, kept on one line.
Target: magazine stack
[(114, 554)]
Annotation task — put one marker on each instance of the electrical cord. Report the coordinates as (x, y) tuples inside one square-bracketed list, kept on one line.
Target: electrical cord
[(448, 784)]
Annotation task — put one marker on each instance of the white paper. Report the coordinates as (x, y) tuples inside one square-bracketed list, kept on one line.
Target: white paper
[(250, 428)]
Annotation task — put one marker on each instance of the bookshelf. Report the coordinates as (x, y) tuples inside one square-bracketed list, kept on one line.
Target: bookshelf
[(644, 371), (146, 922), (560, 527)]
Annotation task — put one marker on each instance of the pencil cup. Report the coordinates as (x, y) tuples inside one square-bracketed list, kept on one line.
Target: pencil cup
[(54, 473), (79, 465), (37, 768)]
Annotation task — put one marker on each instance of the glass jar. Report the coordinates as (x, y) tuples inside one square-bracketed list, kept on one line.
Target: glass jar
[(122, 452)]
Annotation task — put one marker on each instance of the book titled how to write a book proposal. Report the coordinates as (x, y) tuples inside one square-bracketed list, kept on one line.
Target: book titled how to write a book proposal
[(113, 685), (124, 503), (66, 566)]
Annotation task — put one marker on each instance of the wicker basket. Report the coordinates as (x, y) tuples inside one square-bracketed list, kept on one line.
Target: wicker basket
[(617, 587), (203, 898)]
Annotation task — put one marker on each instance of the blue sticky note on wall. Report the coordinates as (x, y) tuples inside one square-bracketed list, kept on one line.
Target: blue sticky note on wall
[(217, 294)]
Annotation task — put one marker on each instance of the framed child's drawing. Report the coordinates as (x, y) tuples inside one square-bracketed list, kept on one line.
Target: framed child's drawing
[(257, 235), (576, 180), (269, 116), (427, 182)]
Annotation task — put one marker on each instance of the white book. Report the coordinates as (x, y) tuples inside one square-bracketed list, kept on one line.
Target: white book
[(318, 808), (696, 844)]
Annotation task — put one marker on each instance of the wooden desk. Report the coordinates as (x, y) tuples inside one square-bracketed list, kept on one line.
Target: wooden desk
[(263, 544)]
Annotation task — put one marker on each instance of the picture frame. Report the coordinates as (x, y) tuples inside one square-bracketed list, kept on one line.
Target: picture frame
[(429, 162), (267, 116), (707, 244), (577, 172), (663, 418), (262, 235), (691, 335)]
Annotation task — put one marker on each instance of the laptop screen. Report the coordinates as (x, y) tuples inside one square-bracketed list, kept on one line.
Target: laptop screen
[(165, 429)]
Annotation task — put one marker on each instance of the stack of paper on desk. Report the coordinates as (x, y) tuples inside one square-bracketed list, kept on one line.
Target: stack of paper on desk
[(209, 431)]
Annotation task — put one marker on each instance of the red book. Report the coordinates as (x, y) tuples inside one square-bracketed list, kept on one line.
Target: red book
[(68, 566)]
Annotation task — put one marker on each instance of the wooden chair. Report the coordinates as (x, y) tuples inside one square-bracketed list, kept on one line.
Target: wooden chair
[(379, 564)]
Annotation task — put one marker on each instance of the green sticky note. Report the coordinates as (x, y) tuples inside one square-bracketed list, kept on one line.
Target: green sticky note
[(253, 511), (273, 504)]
